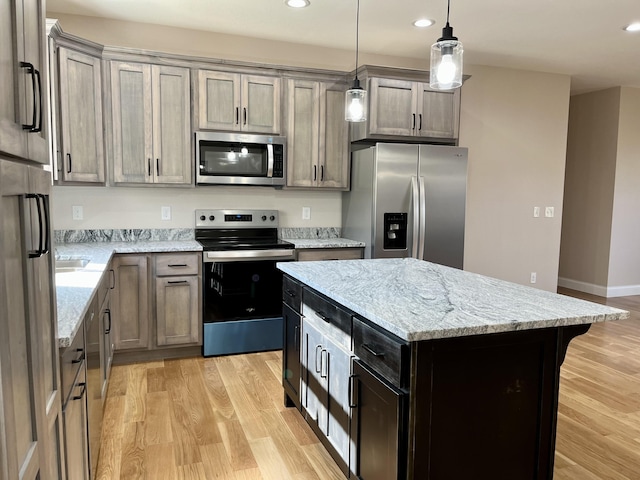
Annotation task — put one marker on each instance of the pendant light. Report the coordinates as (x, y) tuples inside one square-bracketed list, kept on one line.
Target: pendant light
[(355, 107), (446, 60)]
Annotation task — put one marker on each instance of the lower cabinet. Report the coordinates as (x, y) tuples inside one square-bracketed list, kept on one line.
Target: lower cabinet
[(376, 427), (74, 416), (155, 302)]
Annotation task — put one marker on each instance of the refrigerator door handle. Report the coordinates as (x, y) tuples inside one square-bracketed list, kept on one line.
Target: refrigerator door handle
[(415, 195), (423, 218)]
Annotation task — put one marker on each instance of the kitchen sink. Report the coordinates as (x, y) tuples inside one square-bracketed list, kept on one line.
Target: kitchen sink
[(71, 265)]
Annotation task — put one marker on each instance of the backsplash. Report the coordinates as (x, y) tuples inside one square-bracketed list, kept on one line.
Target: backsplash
[(173, 234)]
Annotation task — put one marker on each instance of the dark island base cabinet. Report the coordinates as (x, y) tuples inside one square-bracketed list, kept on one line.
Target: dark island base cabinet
[(291, 372)]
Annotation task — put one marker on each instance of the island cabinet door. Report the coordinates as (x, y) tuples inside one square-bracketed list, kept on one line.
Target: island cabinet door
[(314, 379), (378, 450), (337, 369), (291, 354)]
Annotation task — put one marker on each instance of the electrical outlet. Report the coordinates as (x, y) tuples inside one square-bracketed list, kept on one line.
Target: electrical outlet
[(165, 213), (77, 212), (548, 212), (536, 212), (306, 213), (534, 277)]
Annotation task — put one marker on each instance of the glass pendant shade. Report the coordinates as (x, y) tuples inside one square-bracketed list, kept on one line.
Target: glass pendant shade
[(446, 64), (355, 105)]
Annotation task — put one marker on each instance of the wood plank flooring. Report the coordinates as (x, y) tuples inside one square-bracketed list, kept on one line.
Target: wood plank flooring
[(224, 418)]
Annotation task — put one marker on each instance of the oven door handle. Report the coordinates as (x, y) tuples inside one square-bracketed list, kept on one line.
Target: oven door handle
[(269, 160), (248, 255)]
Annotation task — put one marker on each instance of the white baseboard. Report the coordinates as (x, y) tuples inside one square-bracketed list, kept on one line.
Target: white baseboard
[(599, 290)]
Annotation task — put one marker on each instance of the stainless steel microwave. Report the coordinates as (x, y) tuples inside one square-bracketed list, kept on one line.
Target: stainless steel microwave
[(240, 159)]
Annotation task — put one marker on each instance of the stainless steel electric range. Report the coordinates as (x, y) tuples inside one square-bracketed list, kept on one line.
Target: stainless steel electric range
[(242, 288)]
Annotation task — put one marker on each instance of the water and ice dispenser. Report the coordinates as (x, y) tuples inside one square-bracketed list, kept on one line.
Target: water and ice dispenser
[(395, 231)]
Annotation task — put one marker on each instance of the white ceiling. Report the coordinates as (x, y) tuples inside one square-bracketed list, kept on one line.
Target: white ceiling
[(581, 38)]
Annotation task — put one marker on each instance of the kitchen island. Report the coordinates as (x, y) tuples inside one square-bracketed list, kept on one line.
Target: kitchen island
[(414, 370)]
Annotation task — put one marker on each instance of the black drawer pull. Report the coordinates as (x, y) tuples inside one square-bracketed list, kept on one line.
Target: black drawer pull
[(323, 316), (372, 351), (84, 389), (176, 265), (291, 293), (177, 282), (80, 356), (352, 403)]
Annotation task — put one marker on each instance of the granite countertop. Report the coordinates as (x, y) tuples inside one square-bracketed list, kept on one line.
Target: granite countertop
[(418, 300), (324, 242), (74, 290)]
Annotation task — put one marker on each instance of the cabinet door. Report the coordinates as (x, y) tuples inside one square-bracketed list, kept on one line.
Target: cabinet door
[(106, 324), (334, 138), (303, 115), (171, 125), (75, 432), (177, 313), (291, 354), (35, 52), (81, 118), (260, 104), (339, 414), (392, 107), (218, 100), (132, 122), (438, 113), (130, 313), (315, 384), (377, 452)]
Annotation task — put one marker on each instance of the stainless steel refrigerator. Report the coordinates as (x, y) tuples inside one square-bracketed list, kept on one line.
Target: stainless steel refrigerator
[(408, 200)]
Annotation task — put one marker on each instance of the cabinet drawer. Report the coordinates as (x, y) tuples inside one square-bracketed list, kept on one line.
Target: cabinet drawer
[(72, 357), (312, 254), (177, 264), (106, 283), (291, 293), (384, 354), (328, 317)]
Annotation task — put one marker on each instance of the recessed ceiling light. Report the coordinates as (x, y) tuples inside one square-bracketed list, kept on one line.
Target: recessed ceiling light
[(634, 27), (298, 3), (423, 22)]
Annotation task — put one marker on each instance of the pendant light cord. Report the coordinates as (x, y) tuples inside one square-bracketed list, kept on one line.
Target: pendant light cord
[(357, 34), (448, 7)]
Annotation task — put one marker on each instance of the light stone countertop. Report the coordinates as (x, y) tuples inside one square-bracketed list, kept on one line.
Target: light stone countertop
[(418, 300), (324, 243), (74, 290)]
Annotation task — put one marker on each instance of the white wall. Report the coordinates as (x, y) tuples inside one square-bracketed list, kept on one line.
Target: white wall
[(513, 122), (124, 207)]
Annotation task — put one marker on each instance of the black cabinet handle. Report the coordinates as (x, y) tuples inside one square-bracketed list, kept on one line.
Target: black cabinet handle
[(84, 389), (322, 173), (107, 331), (39, 250), (176, 282), (113, 279), (420, 124), (315, 173), (324, 361), (296, 339), (291, 293), (352, 383), (177, 265), (413, 126), (237, 115), (157, 167), (372, 351), (31, 71), (323, 316), (244, 115), (39, 127), (318, 368), (45, 210), (80, 357), (68, 163)]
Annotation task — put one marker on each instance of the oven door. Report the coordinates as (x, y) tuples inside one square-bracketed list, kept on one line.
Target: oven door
[(242, 303)]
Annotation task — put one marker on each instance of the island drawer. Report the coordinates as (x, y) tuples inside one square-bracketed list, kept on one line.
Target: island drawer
[(291, 293), (177, 264), (387, 355), (328, 317)]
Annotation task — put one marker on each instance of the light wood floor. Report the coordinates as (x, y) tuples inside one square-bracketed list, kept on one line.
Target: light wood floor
[(223, 418)]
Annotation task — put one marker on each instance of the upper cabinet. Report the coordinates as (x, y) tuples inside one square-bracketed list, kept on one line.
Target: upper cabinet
[(23, 80), (317, 135), (150, 108), (238, 102), (80, 154), (408, 108)]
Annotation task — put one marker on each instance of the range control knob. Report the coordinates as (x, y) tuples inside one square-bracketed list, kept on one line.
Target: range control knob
[(272, 218), (203, 218), (264, 218), (212, 218)]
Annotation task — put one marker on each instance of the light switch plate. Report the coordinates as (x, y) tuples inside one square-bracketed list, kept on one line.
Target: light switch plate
[(548, 212), (77, 212), (306, 213), (165, 213)]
